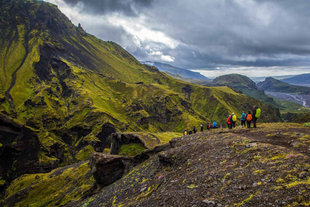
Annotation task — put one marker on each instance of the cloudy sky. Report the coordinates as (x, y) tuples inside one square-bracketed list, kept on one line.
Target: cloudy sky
[(219, 35)]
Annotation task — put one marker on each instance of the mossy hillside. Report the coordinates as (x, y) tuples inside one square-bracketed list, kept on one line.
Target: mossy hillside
[(69, 83), (56, 188)]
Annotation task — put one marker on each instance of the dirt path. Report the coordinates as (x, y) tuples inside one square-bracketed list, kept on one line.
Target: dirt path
[(290, 138)]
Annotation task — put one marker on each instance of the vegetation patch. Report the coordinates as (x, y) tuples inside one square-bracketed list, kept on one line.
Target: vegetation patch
[(131, 149)]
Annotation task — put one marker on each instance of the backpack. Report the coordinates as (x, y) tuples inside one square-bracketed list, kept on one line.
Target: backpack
[(228, 120), (243, 117), (234, 118), (209, 126), (258, 112), (249, 117)]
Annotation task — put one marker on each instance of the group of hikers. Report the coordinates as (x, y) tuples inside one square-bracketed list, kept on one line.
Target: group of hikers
[(209, 126), (246, 120)]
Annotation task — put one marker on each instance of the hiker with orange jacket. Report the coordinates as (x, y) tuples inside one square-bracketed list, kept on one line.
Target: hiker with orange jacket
[(249, 119)]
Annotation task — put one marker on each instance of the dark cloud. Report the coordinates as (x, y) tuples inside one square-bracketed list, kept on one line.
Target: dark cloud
[(204, 33), (127, 7)]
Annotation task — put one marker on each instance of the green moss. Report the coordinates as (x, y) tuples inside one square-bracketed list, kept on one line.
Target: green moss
[(131, 149), (244, 201), (46, 160), (58, 187), (84, 153), (2, 182), (298, 182), (307, 124)]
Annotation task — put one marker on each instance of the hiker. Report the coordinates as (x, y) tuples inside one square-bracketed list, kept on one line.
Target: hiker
[(255, 115), (249, 119), (214, 125), (229, 122), (185, 132), (243, 119), (201, 128), (233, 120), (190, 132), (194, 130), (208, 126)]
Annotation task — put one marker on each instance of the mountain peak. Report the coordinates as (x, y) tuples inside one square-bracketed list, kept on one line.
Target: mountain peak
[(235, 81)]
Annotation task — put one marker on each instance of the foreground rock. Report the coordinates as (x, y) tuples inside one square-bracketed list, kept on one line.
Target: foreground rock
[(107, 169)]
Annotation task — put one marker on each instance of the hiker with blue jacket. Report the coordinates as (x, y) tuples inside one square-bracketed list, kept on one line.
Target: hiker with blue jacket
[(214, 125), (243, 119)]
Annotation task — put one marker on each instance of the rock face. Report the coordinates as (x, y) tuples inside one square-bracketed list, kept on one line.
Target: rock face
[(104, 136), (106, 169), (19, 149)]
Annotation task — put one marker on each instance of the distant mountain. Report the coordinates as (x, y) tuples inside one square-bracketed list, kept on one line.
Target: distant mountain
[(245, 85), (274, 85), (303, 79), (177, 72), (285, 91)]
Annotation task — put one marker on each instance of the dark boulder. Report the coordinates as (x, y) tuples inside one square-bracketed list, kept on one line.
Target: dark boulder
[(107, 169)]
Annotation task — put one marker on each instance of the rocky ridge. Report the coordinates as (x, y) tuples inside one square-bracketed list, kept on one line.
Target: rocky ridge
[(267, 166)]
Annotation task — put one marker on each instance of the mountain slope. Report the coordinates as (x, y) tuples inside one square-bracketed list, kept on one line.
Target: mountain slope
[(271, 84), (285, 91), (303, 79), (73, 90), (178, 72), (245, 85)]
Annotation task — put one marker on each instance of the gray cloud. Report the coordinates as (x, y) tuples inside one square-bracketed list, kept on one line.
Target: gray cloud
[(127, 7), (202, 33)]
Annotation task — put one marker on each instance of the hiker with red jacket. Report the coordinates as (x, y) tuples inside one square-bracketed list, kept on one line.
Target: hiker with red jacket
[(249, 119), (208, 126), (243, 119), (255, 115), (229, 122)]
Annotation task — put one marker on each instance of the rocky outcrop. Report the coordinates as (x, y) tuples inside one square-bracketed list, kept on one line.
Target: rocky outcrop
[(118, 139), (19, 149), (107, 169)]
